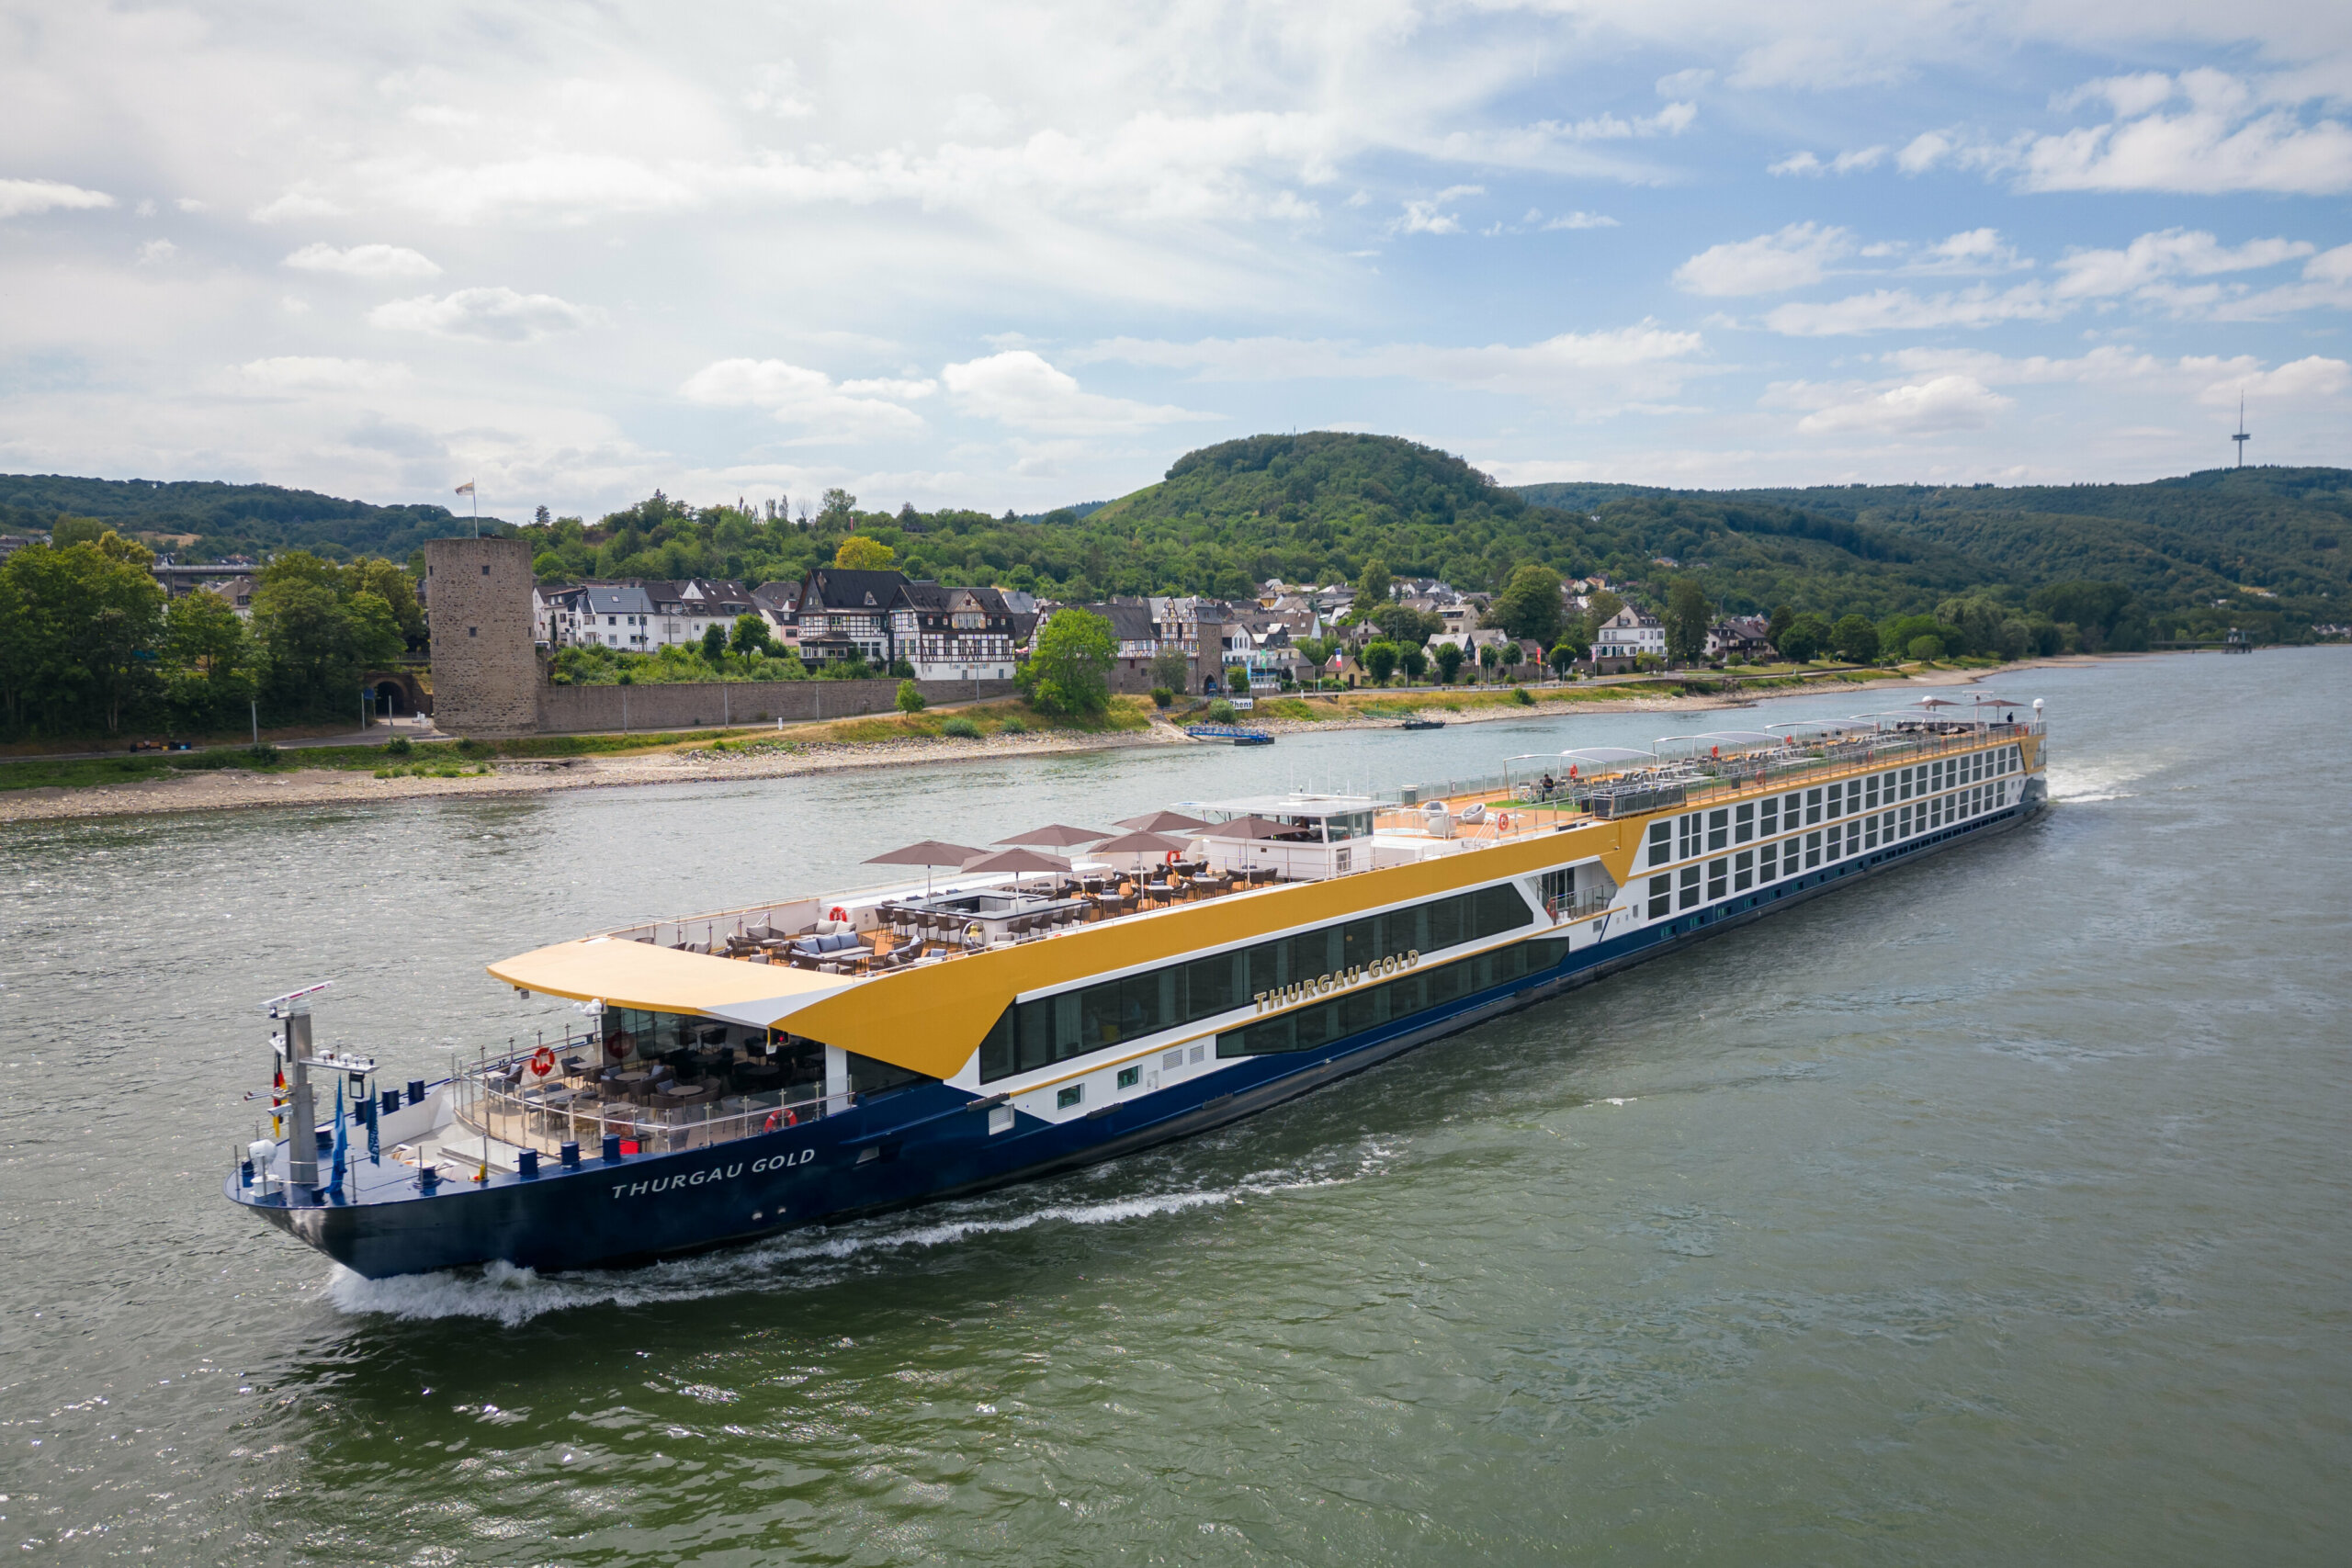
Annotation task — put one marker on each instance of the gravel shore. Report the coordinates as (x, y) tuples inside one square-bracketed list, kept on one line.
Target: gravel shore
[(230, 789)]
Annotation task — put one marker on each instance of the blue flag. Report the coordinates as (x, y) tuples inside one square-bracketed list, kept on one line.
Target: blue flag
[(375, 1154), (335, 1177)]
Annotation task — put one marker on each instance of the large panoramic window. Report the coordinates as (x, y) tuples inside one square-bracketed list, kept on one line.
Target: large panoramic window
[(1368, 1007), (1053, 1029)]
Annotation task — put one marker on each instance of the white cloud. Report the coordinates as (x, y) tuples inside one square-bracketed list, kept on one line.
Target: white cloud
[(1818, 63), (22, 198), (486, 315), (298, 373), (1843, 164), (380, 262), (776, 90), (2128, 96), (1603, 366), (1423, 217), (1020, 389), (810, 400), (1891, 310), (2172, 253), (1791, 258), (304, 200), (1947, 402), (1574, 220), (156, 251), (2311, 379)]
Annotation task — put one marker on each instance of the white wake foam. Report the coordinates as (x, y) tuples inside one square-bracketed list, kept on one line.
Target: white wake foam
[(513, 1296)]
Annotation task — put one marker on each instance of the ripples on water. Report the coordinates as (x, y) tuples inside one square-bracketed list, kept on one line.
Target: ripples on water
[(1993, 1211)]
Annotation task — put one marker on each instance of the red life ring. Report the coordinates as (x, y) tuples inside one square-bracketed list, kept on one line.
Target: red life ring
[(785, 1118), (542, 1062), (838, 914), (1171, 859)]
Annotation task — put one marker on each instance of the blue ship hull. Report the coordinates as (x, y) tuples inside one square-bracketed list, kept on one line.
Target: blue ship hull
[(930, 1141)]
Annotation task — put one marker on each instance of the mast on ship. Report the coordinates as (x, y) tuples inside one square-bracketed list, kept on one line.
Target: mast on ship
[(294, 1047)]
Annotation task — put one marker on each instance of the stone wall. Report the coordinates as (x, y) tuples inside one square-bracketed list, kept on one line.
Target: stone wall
[(485, 670), (572, 710)]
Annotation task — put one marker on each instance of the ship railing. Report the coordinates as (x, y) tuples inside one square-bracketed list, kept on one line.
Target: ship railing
[(489, 1098), (1581, 906)]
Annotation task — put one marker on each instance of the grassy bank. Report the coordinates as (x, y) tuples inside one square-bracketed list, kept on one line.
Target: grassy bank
[(402, 757)]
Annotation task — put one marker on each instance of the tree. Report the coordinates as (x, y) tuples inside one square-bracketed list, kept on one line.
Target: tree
[(1373, 587), (751, 635), (1402, 623), (1069, 672), (1804, 638), (858, 553), (1528, 604), (1414, 661), (1170, 668), (79, 632), (1926, 649), (838, 509), (1488, 657), (1602, 609), (714, 643), (1854, 638), (1563, 654), (208, 659), (1379, 660), (1449, 660), (1783, 619), (910, 697), (1686, 616), (317, 631)]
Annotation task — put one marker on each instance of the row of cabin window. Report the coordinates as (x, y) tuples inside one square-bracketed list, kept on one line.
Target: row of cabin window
[(1728, 874), (1039, 1034), (1703, 832), (1368, 1007)]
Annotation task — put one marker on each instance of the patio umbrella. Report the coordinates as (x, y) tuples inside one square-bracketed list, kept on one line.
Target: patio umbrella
[(1058, 834), (927, 854), (1164, 822), (1248, 830), (1016, 862), (1140, 845)]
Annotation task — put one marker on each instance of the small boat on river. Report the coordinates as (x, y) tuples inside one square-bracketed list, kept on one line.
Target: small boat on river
[(723, 1077), (1230, 735), (1421, 722)]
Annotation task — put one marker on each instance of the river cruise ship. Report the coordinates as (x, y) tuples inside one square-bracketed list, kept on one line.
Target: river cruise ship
[(752, 1071)]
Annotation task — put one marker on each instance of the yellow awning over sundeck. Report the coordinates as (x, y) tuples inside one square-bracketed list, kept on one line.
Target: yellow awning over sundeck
[(663, 979)]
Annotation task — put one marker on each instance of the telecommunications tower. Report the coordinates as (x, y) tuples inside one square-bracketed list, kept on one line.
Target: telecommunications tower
[(2241, 438)]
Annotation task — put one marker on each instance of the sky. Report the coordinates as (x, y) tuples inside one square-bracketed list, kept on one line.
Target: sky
[(1019, 255)]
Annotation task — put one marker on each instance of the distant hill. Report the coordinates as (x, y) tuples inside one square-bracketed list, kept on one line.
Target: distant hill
[(2176, 543), (226, 519)]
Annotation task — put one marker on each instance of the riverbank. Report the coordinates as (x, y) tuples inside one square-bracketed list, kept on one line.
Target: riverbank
[(762, 754)]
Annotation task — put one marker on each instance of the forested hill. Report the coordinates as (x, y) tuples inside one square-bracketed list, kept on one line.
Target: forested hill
[(2224, 534), (226, 519)]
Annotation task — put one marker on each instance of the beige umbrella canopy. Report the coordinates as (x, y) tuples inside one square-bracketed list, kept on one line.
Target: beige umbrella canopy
[(1017, 861), (1058, 834), (1247, 827), (1140, 845), (927, 854), (1164, 822)]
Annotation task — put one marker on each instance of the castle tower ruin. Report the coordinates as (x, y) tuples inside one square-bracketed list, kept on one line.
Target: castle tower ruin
[(477, 606)]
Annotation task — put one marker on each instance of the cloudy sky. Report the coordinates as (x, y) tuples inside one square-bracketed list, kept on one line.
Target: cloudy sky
[(1019, 254)]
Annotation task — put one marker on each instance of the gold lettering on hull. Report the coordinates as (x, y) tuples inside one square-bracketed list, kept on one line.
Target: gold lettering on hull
[(1299, 991)]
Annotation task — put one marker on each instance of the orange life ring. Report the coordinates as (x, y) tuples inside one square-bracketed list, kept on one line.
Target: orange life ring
[(1171, 859), (780, 1118), (838, 913), (542, 1062)]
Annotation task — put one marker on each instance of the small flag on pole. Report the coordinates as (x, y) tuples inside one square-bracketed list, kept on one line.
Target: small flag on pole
[(467, 488)]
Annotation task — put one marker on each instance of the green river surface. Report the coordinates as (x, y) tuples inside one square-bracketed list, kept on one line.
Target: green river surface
[(1997, 1210)]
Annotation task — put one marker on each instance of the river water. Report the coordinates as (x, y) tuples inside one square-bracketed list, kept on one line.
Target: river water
[(1993, 1211)]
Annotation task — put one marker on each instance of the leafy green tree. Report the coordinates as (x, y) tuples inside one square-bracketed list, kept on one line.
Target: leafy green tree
[(317, 632), (838, 510), (1414, 661), (67, 532), (750, 637), (208, 657), (1854, 638), (1170, 668), (1688, 614), (1373, 587), (1563, 656), (858, 553), (79, 634), (1402, 623), (1528, 604), (1069, 672), (1379, 660), (1603, 607), (910, 697), (1926, 648), (1783, 617), (714, 644), (1449, 660), (1803, 640)]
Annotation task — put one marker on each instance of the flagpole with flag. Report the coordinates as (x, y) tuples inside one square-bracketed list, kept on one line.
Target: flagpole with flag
[(468, 488)]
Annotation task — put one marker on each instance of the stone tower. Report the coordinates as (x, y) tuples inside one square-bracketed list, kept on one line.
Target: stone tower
[(478, 606)]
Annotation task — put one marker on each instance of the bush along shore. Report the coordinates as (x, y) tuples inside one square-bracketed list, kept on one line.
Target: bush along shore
[(227, 778)]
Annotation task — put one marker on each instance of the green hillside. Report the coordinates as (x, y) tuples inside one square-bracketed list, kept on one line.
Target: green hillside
[(226, 519)]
